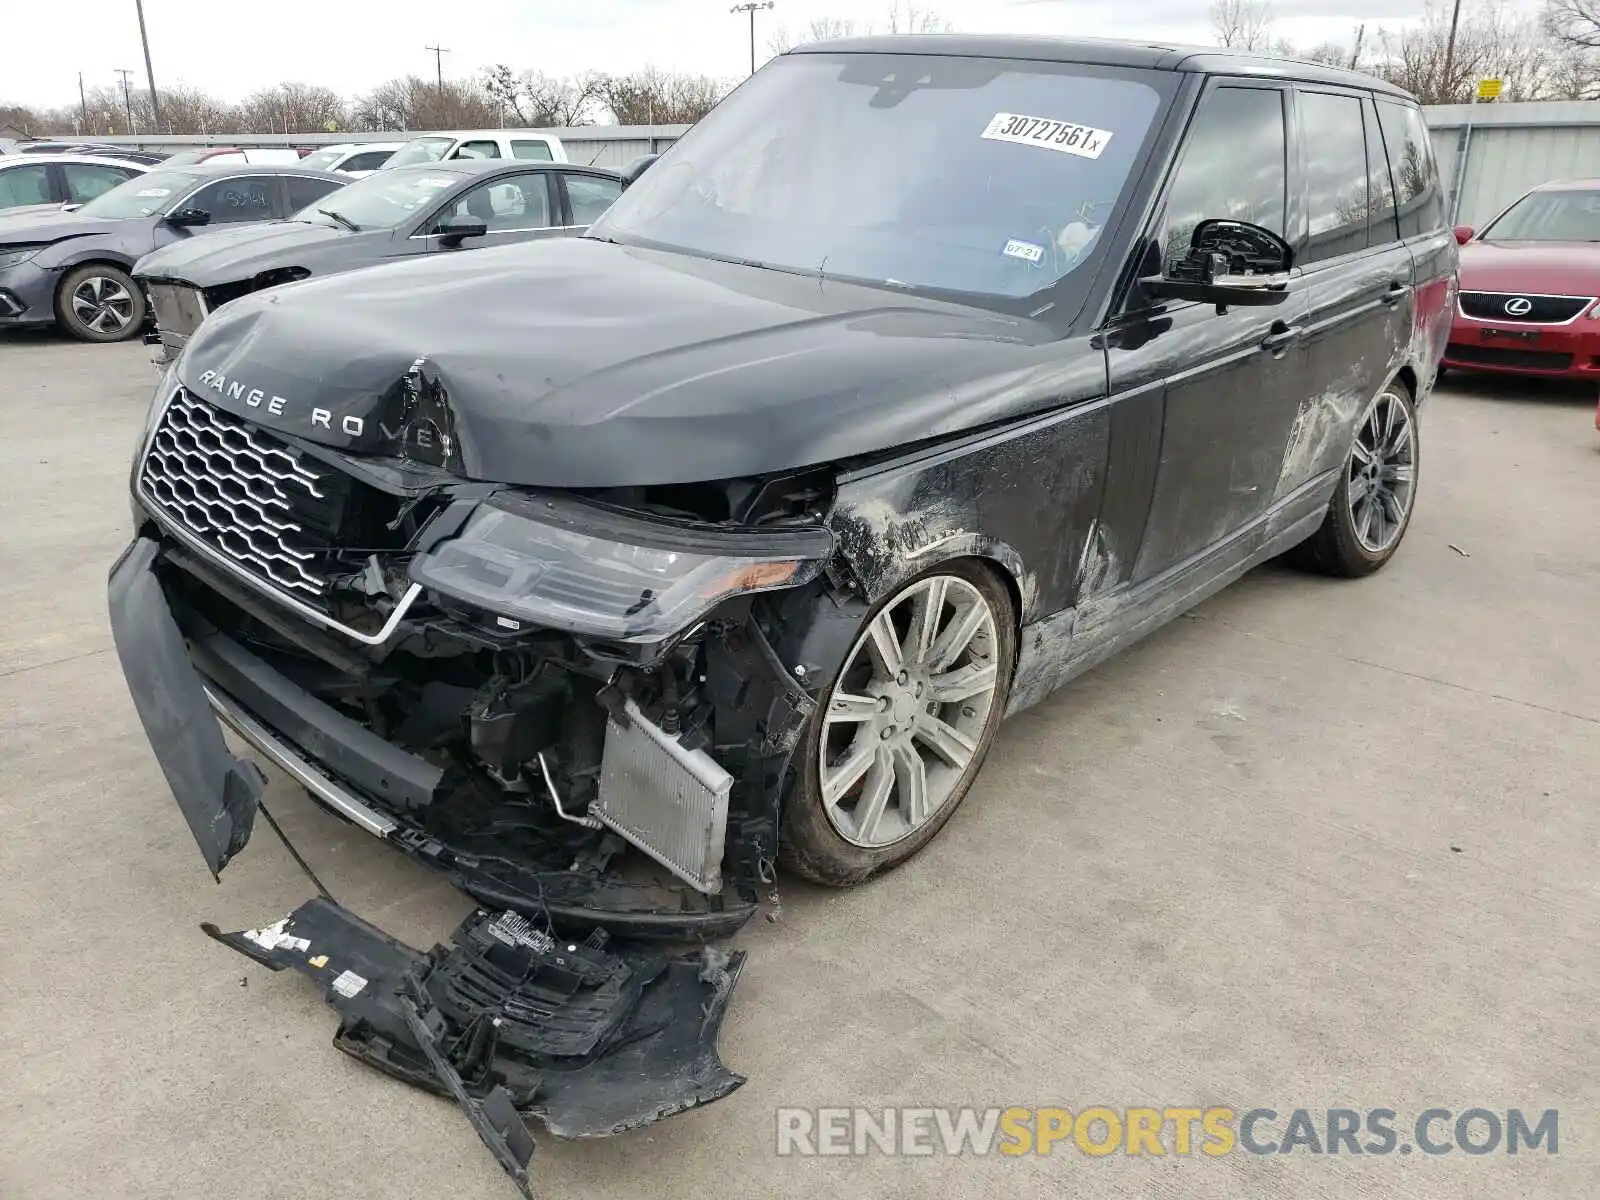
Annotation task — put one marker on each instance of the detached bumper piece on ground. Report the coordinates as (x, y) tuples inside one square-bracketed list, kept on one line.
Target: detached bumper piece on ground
[(509, 1021)]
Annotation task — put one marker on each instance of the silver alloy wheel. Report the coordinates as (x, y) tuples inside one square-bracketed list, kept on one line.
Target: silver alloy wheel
[(102, 304), (907, 713), (1383, 472)]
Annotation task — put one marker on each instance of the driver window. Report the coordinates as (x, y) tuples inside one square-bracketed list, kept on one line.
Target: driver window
[(232, 201), (520, 202), (1233, 166), (477, 150)]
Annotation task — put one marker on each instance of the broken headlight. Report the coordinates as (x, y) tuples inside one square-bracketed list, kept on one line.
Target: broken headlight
[(587, 569)]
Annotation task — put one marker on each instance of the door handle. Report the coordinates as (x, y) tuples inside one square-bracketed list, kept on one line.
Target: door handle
[(1397, 292), (1280, 336)]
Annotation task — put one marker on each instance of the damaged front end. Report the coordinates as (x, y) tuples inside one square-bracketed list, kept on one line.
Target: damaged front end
[(568, 702)]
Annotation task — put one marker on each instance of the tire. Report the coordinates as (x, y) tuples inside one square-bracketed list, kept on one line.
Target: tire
[(98, 302), (847, 841), (1355, 540)]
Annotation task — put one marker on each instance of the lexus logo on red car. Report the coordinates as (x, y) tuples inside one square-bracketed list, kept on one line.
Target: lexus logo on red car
[(1518, 306)]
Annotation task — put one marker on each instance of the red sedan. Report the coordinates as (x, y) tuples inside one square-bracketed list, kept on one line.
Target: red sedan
[(1530, 288)]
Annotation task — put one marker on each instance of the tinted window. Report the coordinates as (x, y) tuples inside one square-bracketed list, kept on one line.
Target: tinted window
[(1233, 166), (1336, 175), (143, 195), (304, 192), (1380, 188), (991, 177), (520, 202), (590, 196), (477, 150), (369, 160), (85, 182), (534, 151), (231, 201), (24, 185), (1416, 179)]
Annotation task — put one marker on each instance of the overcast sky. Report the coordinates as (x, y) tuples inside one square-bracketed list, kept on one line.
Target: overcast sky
[(230, 49)]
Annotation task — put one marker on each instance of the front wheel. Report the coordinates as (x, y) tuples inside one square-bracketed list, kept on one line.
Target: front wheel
[(1371, 508), (902, 729), (100, 303)]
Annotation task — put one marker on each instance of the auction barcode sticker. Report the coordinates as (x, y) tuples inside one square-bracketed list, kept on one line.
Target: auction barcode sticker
[(1066, 136)]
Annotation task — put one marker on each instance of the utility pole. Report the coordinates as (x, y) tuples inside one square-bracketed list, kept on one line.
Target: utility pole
[(1355, 55), (1449, 56), (149, 75), (753, 8), (438, 69), (127, 96), (83, 104)]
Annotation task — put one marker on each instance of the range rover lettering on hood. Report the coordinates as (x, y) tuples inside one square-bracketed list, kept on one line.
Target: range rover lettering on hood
[(577, 363)]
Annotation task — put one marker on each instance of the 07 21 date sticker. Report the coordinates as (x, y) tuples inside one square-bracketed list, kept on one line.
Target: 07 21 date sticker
[(1066, 136)]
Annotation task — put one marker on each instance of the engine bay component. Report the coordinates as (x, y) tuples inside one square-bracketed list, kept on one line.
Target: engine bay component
[(591, 1037)]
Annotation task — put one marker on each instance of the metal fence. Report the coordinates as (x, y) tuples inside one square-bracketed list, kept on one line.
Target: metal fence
[(1496, 151), (598, 145)]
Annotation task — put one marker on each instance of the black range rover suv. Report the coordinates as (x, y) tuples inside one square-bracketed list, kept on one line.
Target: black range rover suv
[(923, 374)]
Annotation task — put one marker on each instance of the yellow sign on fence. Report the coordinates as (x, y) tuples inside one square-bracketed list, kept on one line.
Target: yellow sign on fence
[(1488, 89)]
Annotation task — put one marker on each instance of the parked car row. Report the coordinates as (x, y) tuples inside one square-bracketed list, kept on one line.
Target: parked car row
[(175, 243)]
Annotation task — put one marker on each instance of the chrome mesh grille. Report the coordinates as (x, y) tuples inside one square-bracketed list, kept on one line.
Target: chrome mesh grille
[(238, 491)]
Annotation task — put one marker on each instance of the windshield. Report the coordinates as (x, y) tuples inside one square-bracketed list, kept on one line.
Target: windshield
[(992, 178), (143, 196), (383, 200), (1557, 216), (420, 150), (322, 159)]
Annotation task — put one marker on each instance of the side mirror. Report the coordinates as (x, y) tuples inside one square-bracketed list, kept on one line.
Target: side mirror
[(631, 172), (455, 230), (186, 217), (1229, 262), (1463, 234)]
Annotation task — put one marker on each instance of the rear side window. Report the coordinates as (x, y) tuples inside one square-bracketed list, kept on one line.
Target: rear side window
[(484, 149), (369, 160), (85, 181), (304, 191), (590, 196), (1380, 188), (1336, 175), (28, 184), (1232, 166), (533, 151), (1416, 178)]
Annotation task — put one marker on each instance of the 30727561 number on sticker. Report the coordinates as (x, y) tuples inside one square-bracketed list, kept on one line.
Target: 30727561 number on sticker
[(1068, 137)]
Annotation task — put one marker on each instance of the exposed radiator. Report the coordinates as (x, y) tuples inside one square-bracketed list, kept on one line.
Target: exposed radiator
[(670, 802)]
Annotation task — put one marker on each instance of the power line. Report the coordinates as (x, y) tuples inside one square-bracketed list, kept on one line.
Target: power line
[(149, 75), (127, 96), (752, 9), (438, 68)]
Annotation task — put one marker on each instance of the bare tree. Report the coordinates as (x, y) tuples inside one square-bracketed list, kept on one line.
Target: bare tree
[(293, 108), (535, 99), (411, 102), (656, 97), (905, 17), (1492, 42), (1242, 24)]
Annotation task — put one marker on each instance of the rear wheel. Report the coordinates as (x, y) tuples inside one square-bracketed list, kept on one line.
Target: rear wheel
[(100, 303), (1371, 509), (902, 730)]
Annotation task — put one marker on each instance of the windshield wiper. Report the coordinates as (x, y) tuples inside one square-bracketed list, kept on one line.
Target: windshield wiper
[(341, 218)]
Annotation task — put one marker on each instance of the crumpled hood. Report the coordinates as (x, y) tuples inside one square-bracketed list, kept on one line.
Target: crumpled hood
[(578, 363), (1544, 268), (50, 225), (231, 255)]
